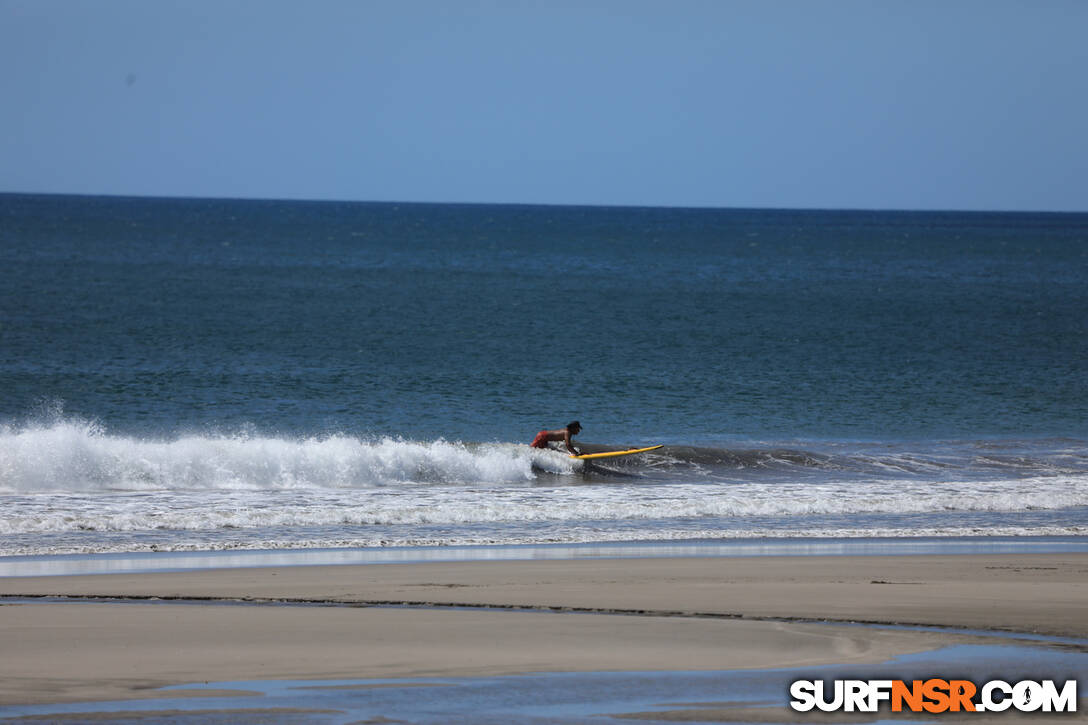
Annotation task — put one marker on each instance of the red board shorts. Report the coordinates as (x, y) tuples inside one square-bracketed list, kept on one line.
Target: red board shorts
[(541, 440)]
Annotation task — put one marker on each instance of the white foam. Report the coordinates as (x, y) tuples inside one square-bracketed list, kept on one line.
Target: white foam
[(192, 510), (78, 456), (566, 535)]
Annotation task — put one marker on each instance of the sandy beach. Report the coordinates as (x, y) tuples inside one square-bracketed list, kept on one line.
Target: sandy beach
[(122, 635)]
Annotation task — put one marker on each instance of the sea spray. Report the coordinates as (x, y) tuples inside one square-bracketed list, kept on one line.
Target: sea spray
[(79, 456)]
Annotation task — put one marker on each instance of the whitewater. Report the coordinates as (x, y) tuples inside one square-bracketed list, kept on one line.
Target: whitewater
[(71, 486)]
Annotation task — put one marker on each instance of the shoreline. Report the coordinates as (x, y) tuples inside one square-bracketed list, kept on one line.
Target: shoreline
[(486, 618), (176, 561)]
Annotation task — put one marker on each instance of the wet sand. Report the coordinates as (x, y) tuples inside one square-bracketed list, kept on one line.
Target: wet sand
[(539, 616)]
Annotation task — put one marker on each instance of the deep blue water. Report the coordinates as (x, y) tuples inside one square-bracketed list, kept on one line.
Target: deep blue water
[(486, 323)]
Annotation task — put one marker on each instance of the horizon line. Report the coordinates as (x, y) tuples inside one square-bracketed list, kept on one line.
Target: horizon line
[(692, 207)]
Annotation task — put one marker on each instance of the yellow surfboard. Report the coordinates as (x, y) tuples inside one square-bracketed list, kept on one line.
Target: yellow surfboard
[(613, 454)]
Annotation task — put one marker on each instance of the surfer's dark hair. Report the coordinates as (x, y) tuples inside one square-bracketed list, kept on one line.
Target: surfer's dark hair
[(574, 424)]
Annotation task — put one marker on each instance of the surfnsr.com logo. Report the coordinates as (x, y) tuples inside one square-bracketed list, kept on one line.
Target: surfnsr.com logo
[(934, 696)]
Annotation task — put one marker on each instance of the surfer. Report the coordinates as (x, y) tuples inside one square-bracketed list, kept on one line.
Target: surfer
[(562, 434)]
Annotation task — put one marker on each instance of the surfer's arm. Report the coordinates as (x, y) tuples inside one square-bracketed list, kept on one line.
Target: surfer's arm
[(569, 443)]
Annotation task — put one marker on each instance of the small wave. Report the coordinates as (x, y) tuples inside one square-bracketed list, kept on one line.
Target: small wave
[(471, 505), (749, 458), (576, 535), (919, 460)]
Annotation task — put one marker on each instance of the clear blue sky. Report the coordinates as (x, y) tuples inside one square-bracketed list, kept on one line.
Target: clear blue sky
[(912, 105)]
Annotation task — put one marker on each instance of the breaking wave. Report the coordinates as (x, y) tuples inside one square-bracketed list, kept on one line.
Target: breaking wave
[(79, 456)]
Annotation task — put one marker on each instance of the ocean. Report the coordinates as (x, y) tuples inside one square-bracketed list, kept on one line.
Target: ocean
[(206, 375)]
